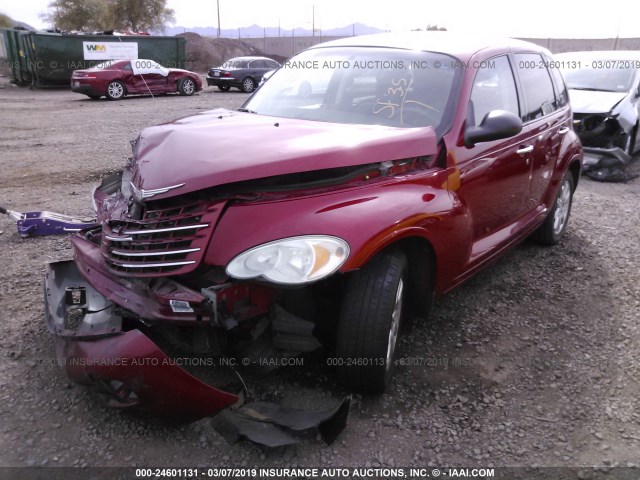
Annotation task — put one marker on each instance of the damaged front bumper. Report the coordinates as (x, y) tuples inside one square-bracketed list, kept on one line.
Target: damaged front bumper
[(126, 365), (134, 373), (606, 164), (607, 140)]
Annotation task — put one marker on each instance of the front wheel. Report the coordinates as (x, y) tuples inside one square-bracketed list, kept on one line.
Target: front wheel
[(115, 90), (369, 323), (554, 226), (186, 87), (248, 85)]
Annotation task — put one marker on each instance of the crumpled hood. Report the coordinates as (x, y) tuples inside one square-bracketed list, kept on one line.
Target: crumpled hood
[(224, 146), (585, 101)]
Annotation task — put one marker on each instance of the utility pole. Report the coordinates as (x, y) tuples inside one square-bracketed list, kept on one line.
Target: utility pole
[(218, 3)]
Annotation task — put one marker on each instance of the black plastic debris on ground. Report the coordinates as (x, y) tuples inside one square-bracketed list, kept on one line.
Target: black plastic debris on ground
[(274, 425)]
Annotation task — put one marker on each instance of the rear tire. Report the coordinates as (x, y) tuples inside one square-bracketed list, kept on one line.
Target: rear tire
[(224, 88), (370, 321), (554, 226)]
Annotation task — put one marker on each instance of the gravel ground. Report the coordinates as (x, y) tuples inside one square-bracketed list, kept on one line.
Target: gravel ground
[(534, 362)]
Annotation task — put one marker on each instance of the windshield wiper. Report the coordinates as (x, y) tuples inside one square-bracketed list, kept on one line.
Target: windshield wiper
[(246, 110)]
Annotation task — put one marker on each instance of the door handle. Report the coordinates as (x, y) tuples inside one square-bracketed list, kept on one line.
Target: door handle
[(563, 130), (523, 150)]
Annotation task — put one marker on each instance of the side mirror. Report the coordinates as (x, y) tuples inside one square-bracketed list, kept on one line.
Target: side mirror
[(495, 125)]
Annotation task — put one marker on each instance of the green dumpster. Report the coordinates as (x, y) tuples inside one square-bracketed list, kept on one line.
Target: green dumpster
[(42, 59)]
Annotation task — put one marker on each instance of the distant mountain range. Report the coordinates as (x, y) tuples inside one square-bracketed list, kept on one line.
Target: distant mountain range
[(256, 31)]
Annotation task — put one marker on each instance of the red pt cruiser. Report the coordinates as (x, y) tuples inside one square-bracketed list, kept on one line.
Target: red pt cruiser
[(368, 176)]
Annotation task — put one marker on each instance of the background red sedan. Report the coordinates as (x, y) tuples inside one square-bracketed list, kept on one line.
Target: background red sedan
[(115, 79)]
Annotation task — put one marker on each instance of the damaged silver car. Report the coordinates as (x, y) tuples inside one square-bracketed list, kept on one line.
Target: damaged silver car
[(604, 91)]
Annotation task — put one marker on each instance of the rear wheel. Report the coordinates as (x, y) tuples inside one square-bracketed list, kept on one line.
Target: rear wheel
[(186, 86), (370, 321), (223, 88), (248, 85), (554, 226), (115, 90)]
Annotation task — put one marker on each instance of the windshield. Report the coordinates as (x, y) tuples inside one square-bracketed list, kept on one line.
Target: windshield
[(360, 85), (601, 75)]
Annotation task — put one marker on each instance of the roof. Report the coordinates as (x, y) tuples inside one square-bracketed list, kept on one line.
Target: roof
[(462, 46), (602, 55)]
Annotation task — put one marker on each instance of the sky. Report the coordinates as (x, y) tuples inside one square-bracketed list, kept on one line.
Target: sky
[(539, 18)]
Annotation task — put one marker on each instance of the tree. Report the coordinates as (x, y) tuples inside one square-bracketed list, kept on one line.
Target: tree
[(77, 14), (136, 15), (139, 15), (5, 21)]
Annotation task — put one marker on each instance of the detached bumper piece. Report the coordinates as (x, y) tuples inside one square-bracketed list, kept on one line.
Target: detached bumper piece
[(135, 374), (277, 426), (606, 164), (47, 223)]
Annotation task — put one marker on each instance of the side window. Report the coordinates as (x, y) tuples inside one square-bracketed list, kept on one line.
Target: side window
[(272, 64), (493, 89), (536, 85), (127, 67), (562, 98)]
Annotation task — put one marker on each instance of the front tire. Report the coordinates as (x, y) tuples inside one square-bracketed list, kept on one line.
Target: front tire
[(554, 226), (186, 87), (115, 90), (248, 85), (370, 321), (632, 141)]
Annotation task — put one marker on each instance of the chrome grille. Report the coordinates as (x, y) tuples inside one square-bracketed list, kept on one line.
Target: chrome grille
[(165, 241)]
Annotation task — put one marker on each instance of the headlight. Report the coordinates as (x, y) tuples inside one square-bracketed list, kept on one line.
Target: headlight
[(292, 260)]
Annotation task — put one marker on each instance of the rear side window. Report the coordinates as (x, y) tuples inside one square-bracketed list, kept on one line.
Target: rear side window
[(493, 89), (536, 86), (562, 98)]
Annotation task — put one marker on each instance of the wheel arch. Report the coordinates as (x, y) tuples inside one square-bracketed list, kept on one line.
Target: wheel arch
[(575, 168), (422, 268)]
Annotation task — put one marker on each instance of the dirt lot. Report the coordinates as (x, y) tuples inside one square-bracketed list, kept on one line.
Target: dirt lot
[(534, 362)]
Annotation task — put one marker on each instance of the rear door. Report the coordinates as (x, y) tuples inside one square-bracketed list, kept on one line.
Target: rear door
[(546, 119), (257, 69)]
